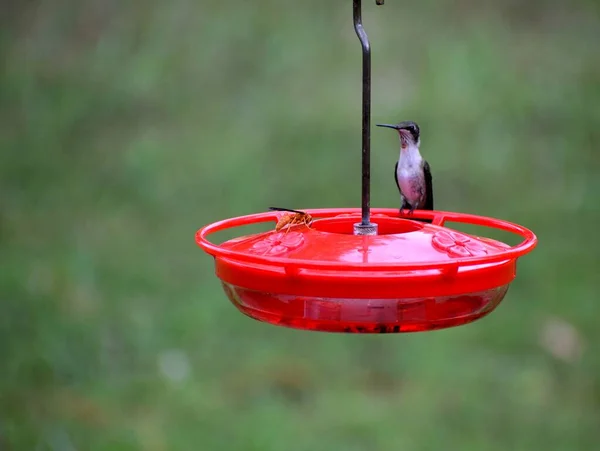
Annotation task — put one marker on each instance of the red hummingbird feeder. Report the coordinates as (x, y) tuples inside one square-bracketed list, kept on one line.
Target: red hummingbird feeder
[(392, 274)]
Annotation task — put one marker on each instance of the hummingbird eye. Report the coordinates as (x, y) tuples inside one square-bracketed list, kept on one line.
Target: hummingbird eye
[(414, 131)]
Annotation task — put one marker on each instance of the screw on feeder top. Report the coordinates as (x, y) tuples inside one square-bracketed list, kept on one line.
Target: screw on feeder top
[(365, 227)]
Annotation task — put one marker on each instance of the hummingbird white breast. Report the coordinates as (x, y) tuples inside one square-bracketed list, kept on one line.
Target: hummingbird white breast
[(410, 175)]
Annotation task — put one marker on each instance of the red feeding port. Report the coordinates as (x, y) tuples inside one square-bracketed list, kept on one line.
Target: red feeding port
[(412, 276)]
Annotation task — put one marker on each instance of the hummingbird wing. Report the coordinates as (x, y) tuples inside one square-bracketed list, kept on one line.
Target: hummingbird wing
[(428, 187)]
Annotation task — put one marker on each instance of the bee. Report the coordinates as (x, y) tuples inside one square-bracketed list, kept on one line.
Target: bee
[(292, 218)]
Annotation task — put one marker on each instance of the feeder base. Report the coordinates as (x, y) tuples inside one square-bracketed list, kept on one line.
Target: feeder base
[(365, 315)]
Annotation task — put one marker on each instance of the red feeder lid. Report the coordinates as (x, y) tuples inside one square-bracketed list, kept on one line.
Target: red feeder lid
[(406, 263)]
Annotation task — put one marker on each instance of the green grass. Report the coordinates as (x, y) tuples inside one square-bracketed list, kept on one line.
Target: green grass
[(126, 128)]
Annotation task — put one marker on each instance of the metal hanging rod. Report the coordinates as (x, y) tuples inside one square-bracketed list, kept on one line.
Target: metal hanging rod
[(365, 227)]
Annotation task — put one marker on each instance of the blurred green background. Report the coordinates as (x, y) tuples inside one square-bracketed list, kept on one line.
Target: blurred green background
[(126, 126)]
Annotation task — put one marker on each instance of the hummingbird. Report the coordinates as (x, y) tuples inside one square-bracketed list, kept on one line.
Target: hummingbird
[(412, 173)]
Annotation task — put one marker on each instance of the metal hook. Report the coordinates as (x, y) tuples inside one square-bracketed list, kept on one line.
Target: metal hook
[(365, 227)]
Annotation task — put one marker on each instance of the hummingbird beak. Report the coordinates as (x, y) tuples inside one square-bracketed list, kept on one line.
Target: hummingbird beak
[(395, 127)]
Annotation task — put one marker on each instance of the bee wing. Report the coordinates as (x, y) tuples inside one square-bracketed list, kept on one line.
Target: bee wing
[(286, 209)]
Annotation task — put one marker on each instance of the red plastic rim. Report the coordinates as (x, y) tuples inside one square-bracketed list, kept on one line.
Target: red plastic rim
[(439, 218)]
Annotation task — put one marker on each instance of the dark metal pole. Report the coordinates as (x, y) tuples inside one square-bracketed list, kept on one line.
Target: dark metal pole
[(365, 227)]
